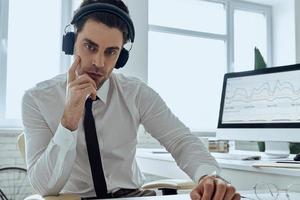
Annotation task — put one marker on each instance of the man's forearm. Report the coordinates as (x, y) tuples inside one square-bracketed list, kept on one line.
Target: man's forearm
[(50, 172)]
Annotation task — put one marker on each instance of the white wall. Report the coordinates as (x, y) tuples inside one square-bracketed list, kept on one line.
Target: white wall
[(138, 63), (297, 23), (284, 46)]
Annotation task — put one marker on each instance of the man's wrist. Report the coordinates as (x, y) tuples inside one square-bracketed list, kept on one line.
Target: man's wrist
[(221, 178), (68, 124), (64, 137), (215, 175)]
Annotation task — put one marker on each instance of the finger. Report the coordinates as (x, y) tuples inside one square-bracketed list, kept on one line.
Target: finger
[(220, 189), (82, 79), (94, 96), (91, 92), (230, 192), (195, 195), (83, 86), (80, 82), (72, 70), (209, 188), (237, 196), (86, 76), (81, 90)]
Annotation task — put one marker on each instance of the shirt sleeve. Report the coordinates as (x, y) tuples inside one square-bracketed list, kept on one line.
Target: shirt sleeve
[(49, 156), (189, 152)]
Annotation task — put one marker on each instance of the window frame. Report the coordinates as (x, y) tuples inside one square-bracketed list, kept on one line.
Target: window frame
[(65, 61), (251, 7), (228, 38), (66, 13), (3, 54), (230, 6)]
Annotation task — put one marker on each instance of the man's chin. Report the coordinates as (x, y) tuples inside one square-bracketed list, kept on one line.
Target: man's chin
[(100, 83)]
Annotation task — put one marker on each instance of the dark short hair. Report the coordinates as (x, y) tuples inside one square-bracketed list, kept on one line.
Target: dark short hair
[(108, 19)]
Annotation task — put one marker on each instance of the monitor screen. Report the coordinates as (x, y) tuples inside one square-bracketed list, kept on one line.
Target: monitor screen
[(262, 105), (267, 98)]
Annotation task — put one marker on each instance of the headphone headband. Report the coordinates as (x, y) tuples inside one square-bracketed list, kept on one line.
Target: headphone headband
[(107, 8), (69, 37)]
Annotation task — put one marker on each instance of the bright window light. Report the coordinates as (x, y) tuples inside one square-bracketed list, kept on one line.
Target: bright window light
[(186, 72), (76, 4), (33, 48), (250, 30), (194, 15)]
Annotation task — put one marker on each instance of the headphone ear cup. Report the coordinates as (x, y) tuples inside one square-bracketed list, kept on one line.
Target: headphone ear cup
[(68, 43), (123, 58)]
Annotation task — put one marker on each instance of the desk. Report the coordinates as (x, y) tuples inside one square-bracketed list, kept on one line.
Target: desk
[(168, 197), (248, 194), (240, 173)]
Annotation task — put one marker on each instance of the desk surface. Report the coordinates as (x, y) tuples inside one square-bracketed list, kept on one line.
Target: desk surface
[(235, 171), (225, 164), (245, 194), (168, 197)]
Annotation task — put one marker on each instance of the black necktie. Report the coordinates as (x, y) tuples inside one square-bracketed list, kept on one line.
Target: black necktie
[(93, 150)]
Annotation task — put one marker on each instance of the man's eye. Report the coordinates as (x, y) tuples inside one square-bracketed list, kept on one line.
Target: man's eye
[(111, 52), (90, 47)]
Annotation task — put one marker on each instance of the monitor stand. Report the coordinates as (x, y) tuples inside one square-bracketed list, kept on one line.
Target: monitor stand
[(275, 150)]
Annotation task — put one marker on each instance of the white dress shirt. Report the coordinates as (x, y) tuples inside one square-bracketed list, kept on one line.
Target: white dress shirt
[(57, 159)]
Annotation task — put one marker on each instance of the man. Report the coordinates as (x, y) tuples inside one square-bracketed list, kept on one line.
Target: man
[(59, 148)]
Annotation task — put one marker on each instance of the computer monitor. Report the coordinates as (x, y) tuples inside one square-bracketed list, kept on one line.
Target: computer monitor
[(262, 105)]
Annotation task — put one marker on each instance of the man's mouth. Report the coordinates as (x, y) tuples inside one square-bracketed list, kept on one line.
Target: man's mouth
[(94, 76)]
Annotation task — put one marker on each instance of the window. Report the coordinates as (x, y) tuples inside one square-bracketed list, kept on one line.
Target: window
[(250, 29), (176, 73), (197, 41), (194, 43), (31, 47), (178, 17), (76, 4)]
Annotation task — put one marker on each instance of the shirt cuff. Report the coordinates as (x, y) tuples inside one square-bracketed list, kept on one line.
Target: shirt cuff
[(204, 170), (65, 138)]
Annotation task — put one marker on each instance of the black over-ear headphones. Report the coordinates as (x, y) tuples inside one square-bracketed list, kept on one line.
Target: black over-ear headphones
[(69, 37)]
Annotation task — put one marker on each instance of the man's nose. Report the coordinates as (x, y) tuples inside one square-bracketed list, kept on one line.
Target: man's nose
[(99, 60)]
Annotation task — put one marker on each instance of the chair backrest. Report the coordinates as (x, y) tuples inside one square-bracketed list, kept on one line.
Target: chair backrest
[(21, 145)]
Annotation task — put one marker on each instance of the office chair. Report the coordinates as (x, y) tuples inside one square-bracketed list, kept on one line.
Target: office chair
[(167, 186), (14, 183)]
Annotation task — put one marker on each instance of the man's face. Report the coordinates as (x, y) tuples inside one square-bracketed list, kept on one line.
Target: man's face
[(99, 47)]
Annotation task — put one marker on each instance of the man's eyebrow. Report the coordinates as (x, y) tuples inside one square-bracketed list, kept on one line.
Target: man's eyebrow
[(96, 45), (113, 48), (91, 42)]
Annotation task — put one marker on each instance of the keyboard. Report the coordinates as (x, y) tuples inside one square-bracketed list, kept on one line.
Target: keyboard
[(229, 156)]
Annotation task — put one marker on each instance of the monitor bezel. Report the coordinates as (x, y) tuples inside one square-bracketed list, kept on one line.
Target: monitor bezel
[(269, 70)]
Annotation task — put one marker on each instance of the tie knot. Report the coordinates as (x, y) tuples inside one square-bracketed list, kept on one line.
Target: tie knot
[(89, 102)]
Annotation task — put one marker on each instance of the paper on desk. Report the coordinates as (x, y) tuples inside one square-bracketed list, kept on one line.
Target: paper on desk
[(274, 164), (167, 197)]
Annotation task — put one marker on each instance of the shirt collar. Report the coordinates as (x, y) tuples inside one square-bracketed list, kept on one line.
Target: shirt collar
[(103, 91)]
